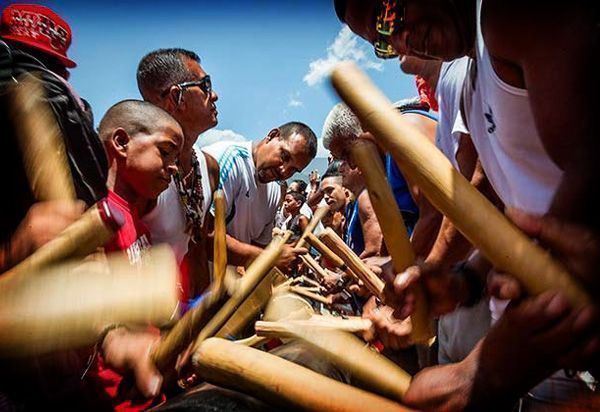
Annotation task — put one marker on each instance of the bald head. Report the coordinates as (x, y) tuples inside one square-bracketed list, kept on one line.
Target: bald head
[(341, 127), (135, 117)]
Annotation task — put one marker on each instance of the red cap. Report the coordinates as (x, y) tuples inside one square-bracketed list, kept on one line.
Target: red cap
[(38, 27)]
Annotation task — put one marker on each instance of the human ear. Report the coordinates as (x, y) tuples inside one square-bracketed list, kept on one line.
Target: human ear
[(119, 141), (274, 133), (174, 98)]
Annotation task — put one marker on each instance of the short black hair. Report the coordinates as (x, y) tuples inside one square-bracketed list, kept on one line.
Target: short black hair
[(333, 170), (163, 68), (301, 185), (134, 116), (297, 196), (291, 128), (340, 9)]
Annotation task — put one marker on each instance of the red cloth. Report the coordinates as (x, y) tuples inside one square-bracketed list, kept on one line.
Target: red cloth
[(133, 238), (426, 94)]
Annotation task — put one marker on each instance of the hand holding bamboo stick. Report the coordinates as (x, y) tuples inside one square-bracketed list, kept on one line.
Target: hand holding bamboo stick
[(364, 153), (476, 218), (67, 306), (95, 227), (188, 327)]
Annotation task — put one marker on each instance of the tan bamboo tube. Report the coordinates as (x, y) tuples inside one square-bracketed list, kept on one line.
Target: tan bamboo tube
[(311, 295), (476, 218), (279, 329), (252, 305), (255, 273), (365, 155), (220, 242), (42, 146), (325, 251), (362, 271), (68, 306), (304, 279), (374, 371), (309, 261), (92, 230), (252, 341), (280, 382), (317, 216), (187, 328)]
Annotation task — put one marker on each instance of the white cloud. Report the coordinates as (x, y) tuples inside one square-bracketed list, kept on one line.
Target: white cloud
[(346, 46), (295, 103), (215, 135)]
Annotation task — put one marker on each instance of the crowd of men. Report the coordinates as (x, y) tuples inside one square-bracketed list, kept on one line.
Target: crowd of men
[(505, 90)]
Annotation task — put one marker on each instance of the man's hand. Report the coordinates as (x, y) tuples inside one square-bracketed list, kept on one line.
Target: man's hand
[(42, 223), (124, 350), (314, 178), (576, 246), (393, 333), (330, 281), (288, 255), (443, 288)]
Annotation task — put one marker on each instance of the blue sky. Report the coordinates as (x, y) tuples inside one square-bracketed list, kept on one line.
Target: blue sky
[(268, 59)]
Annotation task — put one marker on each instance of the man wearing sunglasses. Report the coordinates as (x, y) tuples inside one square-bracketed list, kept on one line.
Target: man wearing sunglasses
[(174, 80), (537, 148)]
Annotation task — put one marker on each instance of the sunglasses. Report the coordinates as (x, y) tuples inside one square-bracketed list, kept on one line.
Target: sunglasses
[(204, 84), (390, 17)]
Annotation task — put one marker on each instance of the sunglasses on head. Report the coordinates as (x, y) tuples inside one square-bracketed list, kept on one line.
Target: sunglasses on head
[(204, 84), (390, 17)]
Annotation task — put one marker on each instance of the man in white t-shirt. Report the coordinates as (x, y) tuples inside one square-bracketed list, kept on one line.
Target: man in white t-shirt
[(174, 80), (248, 175)]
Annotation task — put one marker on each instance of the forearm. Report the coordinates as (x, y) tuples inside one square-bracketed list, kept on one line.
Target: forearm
[(449, 247), (240, 253), (426, 231)]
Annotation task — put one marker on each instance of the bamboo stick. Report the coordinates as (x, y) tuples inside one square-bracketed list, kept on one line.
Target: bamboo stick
[(68, 305), (92, 230), (374, 371), (364, 153), (309, 294), (315, 242), (279, 329), (317, 216), (252, 305), (257, 270), (366, 275), (309, 261), (187, 328), (42, 146), (280, 382)]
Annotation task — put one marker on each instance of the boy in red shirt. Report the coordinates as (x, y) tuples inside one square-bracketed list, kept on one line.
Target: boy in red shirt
[(142, 142)]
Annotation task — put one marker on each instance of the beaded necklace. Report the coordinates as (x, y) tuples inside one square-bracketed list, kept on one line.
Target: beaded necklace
[(192, 200)]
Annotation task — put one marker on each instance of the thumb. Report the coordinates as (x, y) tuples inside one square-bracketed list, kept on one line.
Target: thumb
[(147, 378)]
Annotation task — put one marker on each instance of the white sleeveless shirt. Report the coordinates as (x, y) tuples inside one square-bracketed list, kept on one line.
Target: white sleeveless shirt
[(167, 221), (503, 130), (524, 177)]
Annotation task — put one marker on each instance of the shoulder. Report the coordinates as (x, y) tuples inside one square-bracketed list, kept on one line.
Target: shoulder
[(213, 171), (365, 207), (424, 124), (512, 29)]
